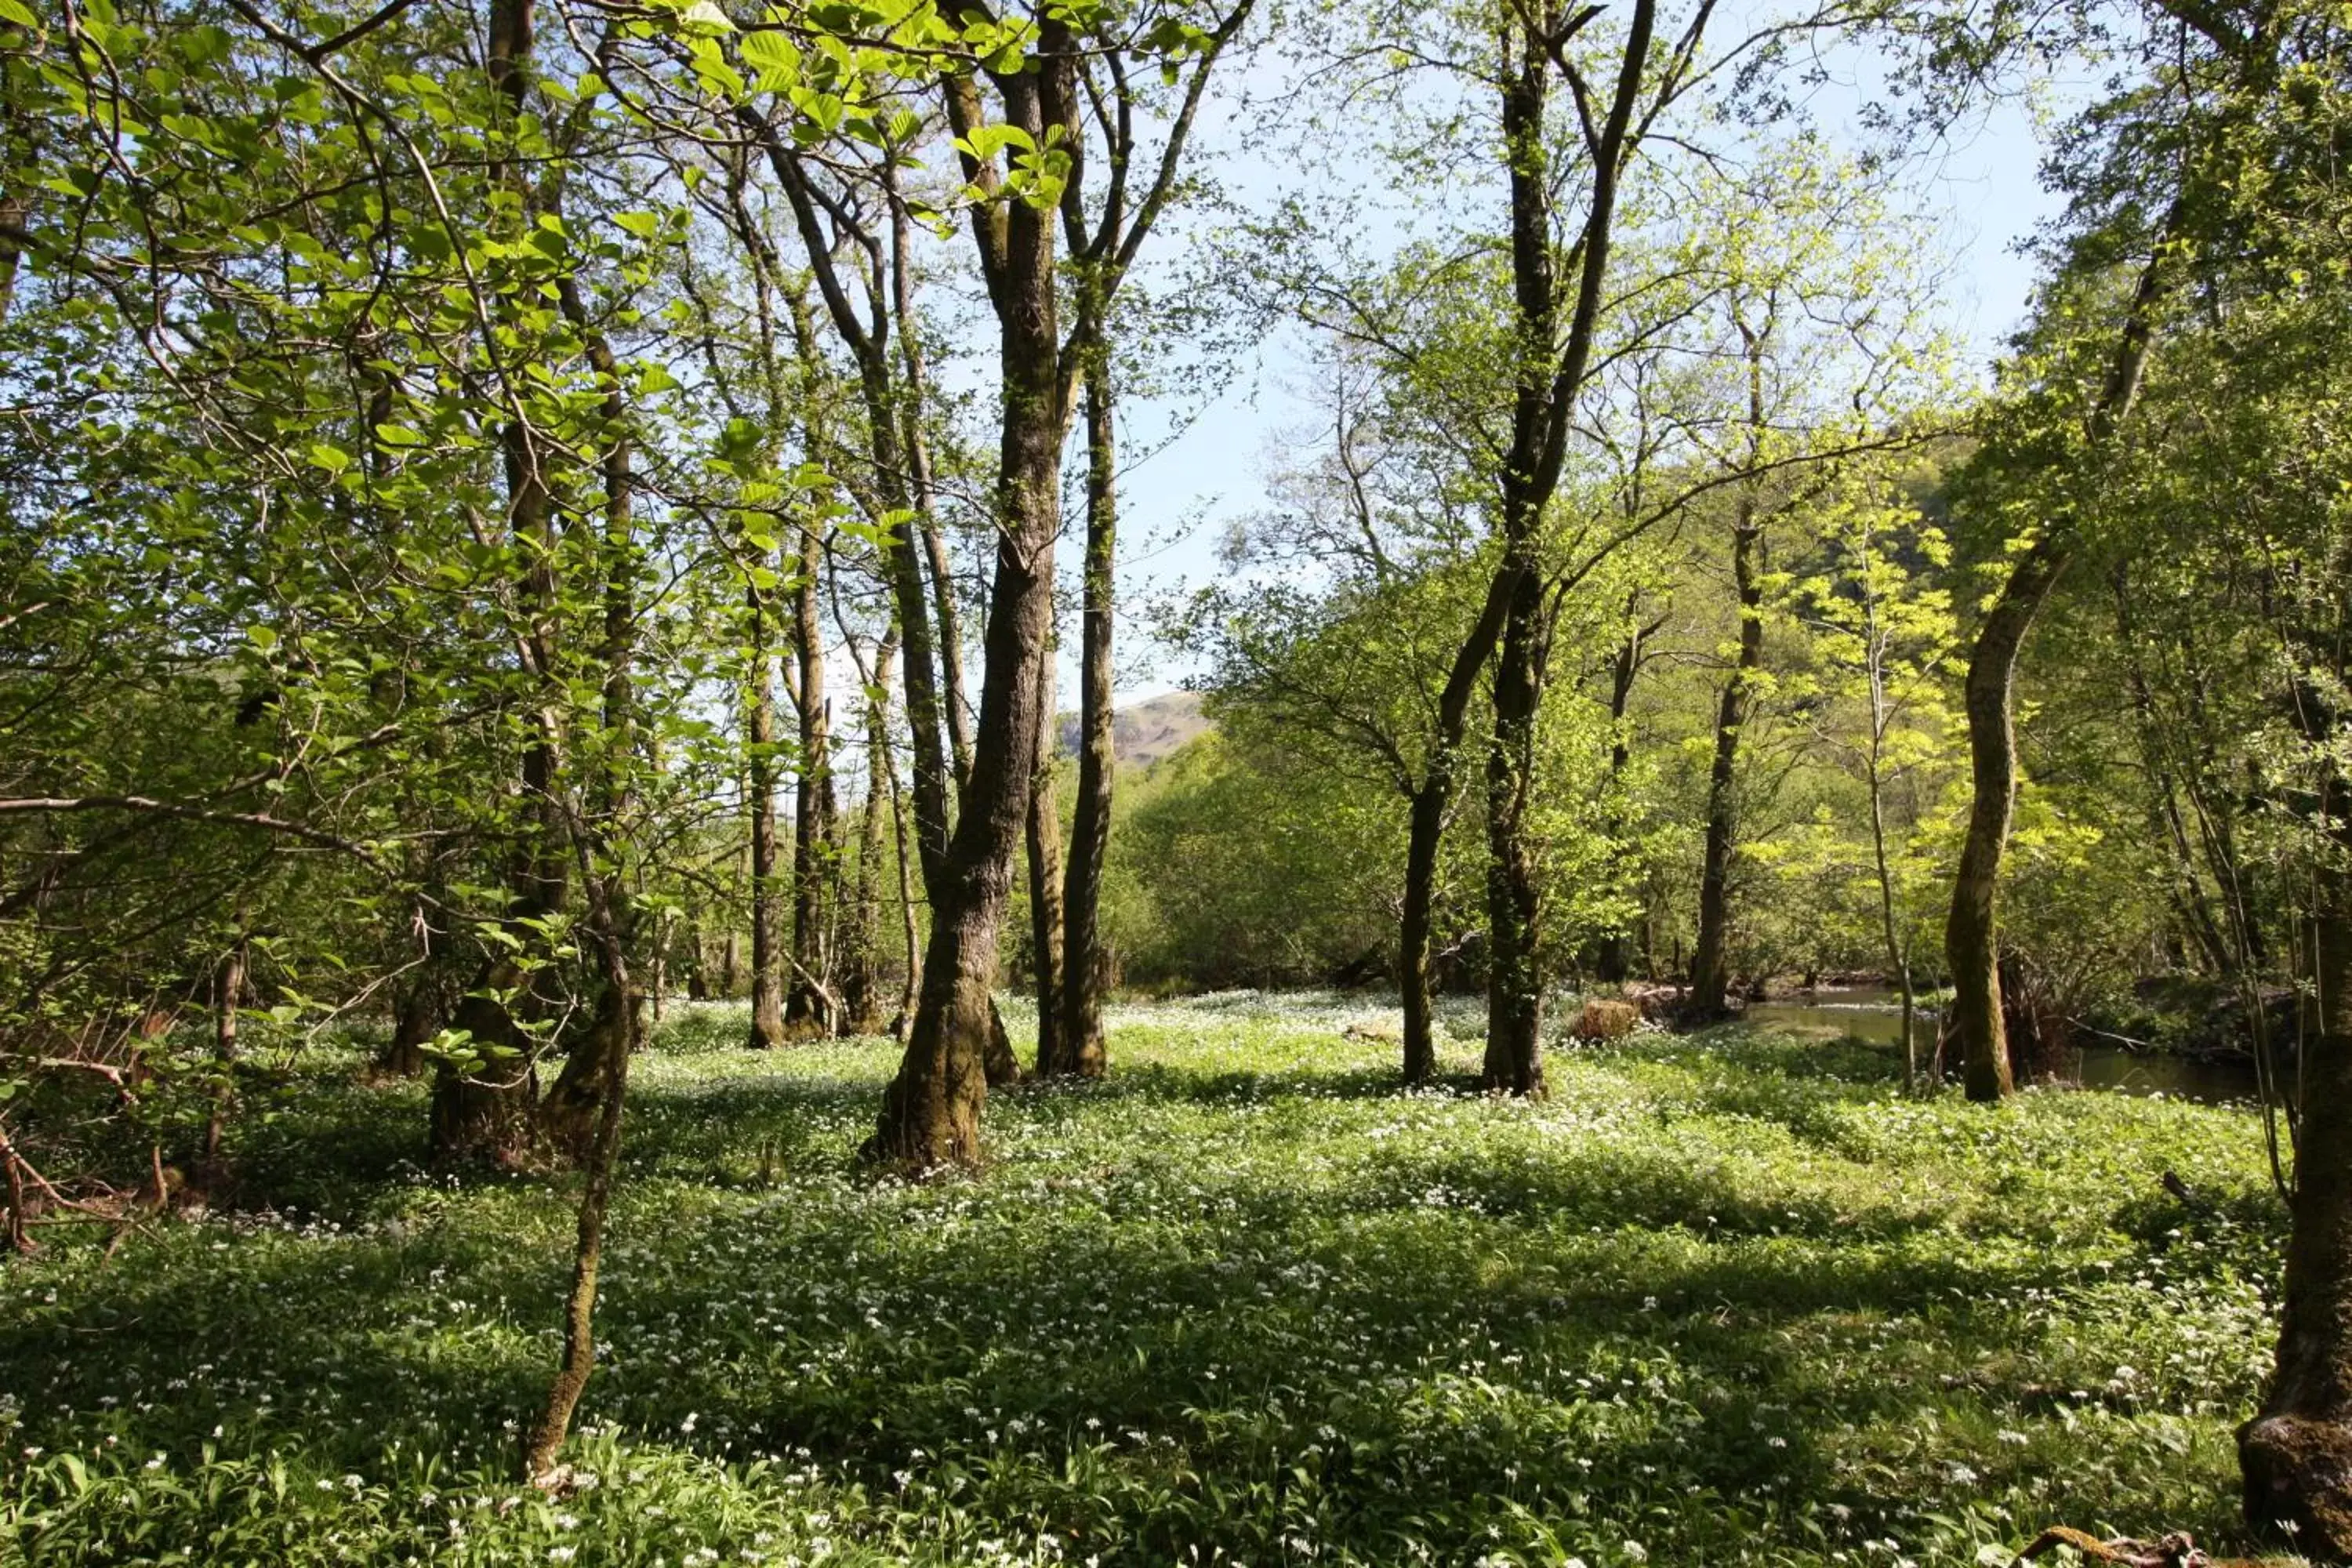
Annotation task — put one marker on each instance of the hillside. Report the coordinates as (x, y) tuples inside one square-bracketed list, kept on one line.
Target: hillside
[(1146, 731)]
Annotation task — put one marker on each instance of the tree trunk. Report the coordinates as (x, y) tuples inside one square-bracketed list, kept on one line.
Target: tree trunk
[(999, 1064), (488, 1115), (583, 1106), (931, 1113), (229, 989), (618, 1033), (1514, 969), (910, 978), (861, 981), (13, 211), (1045, 882), (1612, 958), (1426, 833), (1085, 965), (1898, 955), (1711, 964), (759, 784), (698, 972), (1543, 394), (2297, 1452), (1972, 936), (950, 703), (417, 1009), (595, 1077), (805, 1003)]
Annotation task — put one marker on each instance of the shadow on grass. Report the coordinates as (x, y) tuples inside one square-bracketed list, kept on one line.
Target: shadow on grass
[(1144, 1356)]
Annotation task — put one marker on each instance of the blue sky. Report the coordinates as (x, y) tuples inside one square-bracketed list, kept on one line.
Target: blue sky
[(1195, 466)]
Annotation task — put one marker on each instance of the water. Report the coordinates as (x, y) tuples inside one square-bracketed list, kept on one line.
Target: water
[(1876, 1016)]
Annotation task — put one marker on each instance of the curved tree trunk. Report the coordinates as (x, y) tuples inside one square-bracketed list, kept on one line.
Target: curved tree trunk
[(616, 1035), (1084, 965), (1971, 935)]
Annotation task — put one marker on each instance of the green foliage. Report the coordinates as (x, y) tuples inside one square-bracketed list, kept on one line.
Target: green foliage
[(1729, 1300), (1251, 866)]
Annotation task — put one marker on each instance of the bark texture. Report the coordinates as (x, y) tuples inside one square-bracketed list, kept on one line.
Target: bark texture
[(1514, 1062), (931, 1113), (1546, 384), (1044, 834), (1085, 964), (1710, 961), (759, 784), (1971, 931), (1425, 832), (808, 1003), (2296, 1454), (861, 967)]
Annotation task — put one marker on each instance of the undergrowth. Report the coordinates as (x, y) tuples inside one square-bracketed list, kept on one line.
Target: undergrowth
[(1726, 1299)]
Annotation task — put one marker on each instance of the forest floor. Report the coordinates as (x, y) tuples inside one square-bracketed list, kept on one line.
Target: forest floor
[(1730, 1298)]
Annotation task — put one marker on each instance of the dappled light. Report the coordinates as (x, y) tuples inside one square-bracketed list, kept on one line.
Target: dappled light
[(1724, 1300)]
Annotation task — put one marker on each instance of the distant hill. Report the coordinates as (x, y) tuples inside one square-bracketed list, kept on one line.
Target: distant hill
[(1146, 731)]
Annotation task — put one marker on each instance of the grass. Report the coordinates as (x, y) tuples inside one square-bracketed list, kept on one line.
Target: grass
[(1726, 1299)]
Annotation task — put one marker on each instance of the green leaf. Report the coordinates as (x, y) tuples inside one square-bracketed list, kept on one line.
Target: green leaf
[(773, 57), (334, 459), (987, 141)]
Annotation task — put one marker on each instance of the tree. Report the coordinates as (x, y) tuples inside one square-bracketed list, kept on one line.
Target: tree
[(1888, 638), (1022, 174), (2148, 174)]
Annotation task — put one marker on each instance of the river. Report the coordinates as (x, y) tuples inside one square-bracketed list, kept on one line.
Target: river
[(1876, 1016)]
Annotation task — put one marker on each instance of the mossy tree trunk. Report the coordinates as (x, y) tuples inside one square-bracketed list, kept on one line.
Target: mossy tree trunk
[(1710, 984), (931, 1113), (1514, 1063), (1710, 991)]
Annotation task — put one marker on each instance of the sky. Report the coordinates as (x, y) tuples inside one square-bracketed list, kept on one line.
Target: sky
[(1184, 482)]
